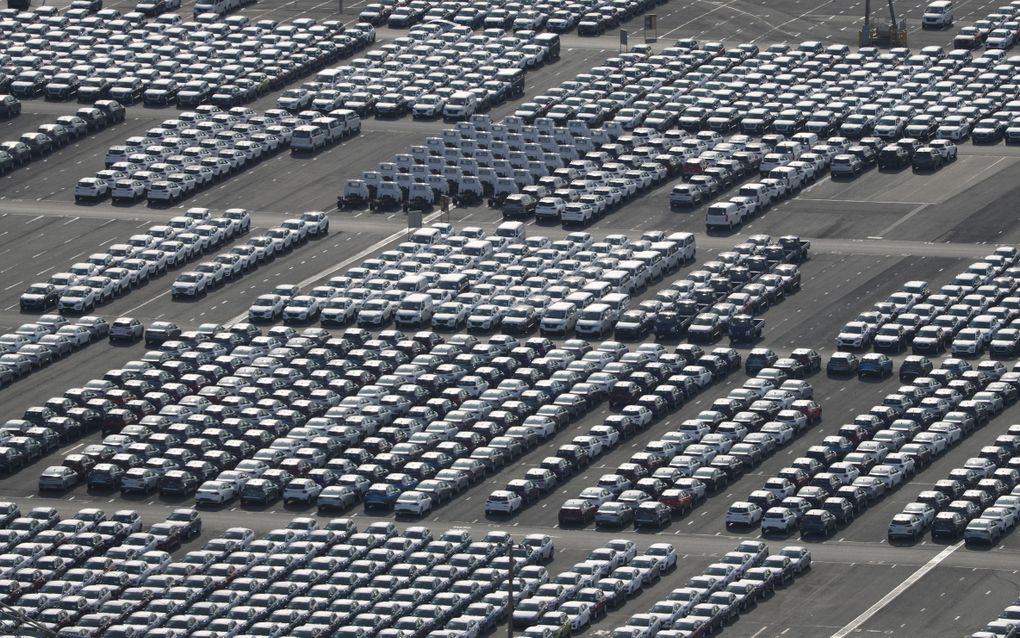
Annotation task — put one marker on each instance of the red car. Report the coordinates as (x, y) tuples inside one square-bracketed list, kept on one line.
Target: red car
[(677, 500), (808, 408), (577, 511)]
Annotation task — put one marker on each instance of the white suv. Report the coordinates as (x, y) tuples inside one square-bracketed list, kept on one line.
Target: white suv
[(91, 188)]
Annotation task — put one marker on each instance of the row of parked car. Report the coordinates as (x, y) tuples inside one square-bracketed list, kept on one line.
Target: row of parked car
[(970, 316), (57, 571), (999, 29), (930, 98), (651, 382), (1008, 621), (33, 346), (508, 16), (53, 136), (701, 456), (789, 166), (723, 592), (724, 296), (478, 169), (451, 279), (200, 148), (243, 258), (165, 60), (870, 457), (574, 599), (122, 267), (643, 491), (977, 500), (178, 423), (307, 580), (436, 70)]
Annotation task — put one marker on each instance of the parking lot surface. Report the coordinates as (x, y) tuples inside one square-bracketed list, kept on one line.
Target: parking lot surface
[(868, 236)]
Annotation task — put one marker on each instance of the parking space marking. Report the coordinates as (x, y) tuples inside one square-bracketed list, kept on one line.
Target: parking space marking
[(854, 624)]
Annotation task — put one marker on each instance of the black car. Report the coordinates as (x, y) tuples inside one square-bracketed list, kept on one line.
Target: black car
[(816, 522), (843, 364), (95, 119), (193, 93), (893, 156), (10, 106), (866, 154), (177, 483), (20, 152), (915, 366), (127, 90), (988, 131), (39, 297), (92, 89), (115, 111), (634, 324), (652, 515), (39, 144)]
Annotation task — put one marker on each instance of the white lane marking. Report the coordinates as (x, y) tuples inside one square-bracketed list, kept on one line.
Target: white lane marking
[(854, 624), (888, 229)]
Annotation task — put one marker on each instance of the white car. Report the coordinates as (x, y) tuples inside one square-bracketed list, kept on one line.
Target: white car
[(302, 308), (127, 190), (413, 503), (91, 189), (301, 490), (189, 285), (743, 513), (549, 209), (338, 311), (503, 502), (579, 612), (215, 493), (666, 555), (78, 299), (316, 222), (890, 475), (164, 192), (266, 308)]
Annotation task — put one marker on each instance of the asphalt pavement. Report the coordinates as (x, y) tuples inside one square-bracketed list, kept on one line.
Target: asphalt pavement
[(868, 236)]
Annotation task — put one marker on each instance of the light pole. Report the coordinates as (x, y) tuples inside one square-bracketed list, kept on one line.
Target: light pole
[(510, 589)]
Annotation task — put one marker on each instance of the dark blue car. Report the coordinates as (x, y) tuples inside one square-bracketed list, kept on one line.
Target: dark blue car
[(381, 496), (875, 365)]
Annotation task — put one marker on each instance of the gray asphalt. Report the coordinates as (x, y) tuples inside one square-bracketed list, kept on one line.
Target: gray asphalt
[(868, 236)]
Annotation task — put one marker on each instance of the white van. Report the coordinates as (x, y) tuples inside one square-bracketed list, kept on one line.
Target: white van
[(938, 15), (349, 119), (617, 302), (308, 138), (415, 310), (427, 236), (620, 281), (413, 283), (722, 215), (479, 248), (558, 319), (513, 231), (757, 192), (331, 77), (334, 128), (788, 174), (460, 106), (686, 242), (594, 321)]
